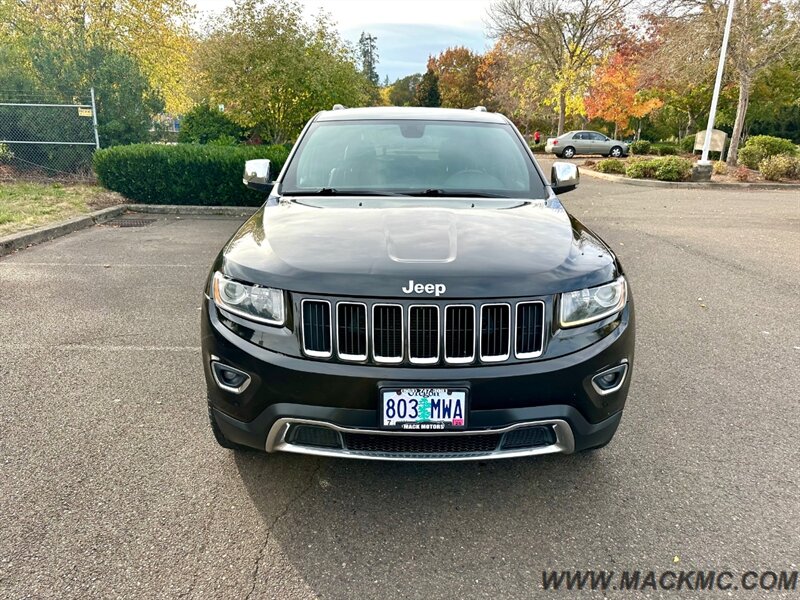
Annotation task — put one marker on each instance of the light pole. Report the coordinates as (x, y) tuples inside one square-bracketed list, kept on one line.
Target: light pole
[(717, 84)]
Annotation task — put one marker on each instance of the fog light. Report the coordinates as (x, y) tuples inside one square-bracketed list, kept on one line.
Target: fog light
[(610, 380), (230, 379)]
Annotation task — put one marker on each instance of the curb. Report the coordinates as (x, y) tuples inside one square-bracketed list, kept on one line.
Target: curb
[(23, 239), (177, 209), (689, 185)]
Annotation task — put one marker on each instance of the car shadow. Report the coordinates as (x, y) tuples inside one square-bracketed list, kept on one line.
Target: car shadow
[(374, 527)]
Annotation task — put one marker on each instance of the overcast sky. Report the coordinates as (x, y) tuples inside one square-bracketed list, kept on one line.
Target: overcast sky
[(407, 30)]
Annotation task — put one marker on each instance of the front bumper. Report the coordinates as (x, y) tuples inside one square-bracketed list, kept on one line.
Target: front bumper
[(555, 394)]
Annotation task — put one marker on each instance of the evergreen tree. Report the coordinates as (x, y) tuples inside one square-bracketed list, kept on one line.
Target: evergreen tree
[(427, 93), (368, 49)]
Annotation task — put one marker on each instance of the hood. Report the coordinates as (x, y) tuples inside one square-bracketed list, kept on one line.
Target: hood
[(474, 249)]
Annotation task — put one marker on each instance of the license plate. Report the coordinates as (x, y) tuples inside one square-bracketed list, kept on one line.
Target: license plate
[(424, 409)]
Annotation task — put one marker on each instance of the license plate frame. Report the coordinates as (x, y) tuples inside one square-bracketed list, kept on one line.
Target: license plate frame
[(440, 418)]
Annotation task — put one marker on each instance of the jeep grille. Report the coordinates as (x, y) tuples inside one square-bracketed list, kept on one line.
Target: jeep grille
[(422, 334)]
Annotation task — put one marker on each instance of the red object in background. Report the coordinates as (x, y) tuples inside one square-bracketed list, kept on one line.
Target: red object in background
[(537, 136)]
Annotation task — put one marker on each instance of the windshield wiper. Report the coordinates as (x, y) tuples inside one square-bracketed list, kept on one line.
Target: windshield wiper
[(326, 191), (437, 192)]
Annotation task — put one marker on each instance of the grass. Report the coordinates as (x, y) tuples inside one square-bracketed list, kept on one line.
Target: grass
[(27, 205)]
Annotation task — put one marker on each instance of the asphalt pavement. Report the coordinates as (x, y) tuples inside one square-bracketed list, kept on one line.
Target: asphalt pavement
[(111, 485)]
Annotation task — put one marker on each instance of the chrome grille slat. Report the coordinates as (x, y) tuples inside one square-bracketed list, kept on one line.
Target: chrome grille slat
[(529, 329), (317, 330), (459, 333), (387, 333), (351, 330), (422, 334), (495, 334)]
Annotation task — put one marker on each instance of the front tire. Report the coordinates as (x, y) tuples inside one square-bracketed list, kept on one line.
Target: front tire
[(568, 152), (616, 152)]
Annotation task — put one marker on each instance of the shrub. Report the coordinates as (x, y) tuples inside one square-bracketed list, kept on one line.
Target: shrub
[(742, 173), (224, 140), (771, 146), (640, 147), (611, 165), (5, 154), (759, 147), (203, 124), (669, 168), (781, 166), (537, 148), (183, 174), (673, 168), (720, 168), (641, 168), (665, 149), (686, 143), (750, 157)]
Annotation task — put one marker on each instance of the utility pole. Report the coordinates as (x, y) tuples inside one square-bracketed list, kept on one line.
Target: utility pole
[(717, 84), (94, 121)]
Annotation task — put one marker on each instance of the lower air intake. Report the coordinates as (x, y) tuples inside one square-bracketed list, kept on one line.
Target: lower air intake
[(421, 444), (529, 437)]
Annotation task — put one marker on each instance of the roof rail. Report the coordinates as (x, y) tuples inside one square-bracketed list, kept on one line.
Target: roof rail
[(339, 107), (479, 108)]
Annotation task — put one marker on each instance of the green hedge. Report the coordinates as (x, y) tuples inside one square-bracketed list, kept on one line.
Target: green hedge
[(640, 147), (611, 165), (668, 168), (183, 173), (537, 148), (664, 149), (759, 147), (780, 166), (686, 143)]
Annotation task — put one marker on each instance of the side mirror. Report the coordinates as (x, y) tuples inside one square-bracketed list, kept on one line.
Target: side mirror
[(256, 175), (564, 177)]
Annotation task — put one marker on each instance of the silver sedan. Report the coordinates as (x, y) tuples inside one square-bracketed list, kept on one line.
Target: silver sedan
[(571, 143)]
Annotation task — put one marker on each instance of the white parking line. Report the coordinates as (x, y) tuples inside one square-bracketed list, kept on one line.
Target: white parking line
[(101, 265), (130, 348)]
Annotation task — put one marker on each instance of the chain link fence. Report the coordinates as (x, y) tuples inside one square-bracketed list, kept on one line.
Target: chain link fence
[(47, 138)]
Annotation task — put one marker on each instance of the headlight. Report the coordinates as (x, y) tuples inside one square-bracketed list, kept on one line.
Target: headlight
[(593, 304), (253, 302)]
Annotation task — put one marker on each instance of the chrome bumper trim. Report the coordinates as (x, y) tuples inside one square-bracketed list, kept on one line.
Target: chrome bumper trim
[(276, 442)]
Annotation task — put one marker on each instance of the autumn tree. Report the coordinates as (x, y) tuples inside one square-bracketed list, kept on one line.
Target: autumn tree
[(59, 50), (764, 33), (457, 70), (510, 83), (563, 37), (273, 69), (154, 33), (402, 91), (614, 94)]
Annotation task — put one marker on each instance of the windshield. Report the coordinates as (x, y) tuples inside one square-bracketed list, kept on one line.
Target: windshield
[(415, 158)]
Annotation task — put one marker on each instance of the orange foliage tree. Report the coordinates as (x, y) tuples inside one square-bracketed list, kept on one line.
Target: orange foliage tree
[(457, 69), (614, 93)]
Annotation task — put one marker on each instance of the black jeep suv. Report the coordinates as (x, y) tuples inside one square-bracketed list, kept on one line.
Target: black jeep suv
[(413, 289)]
